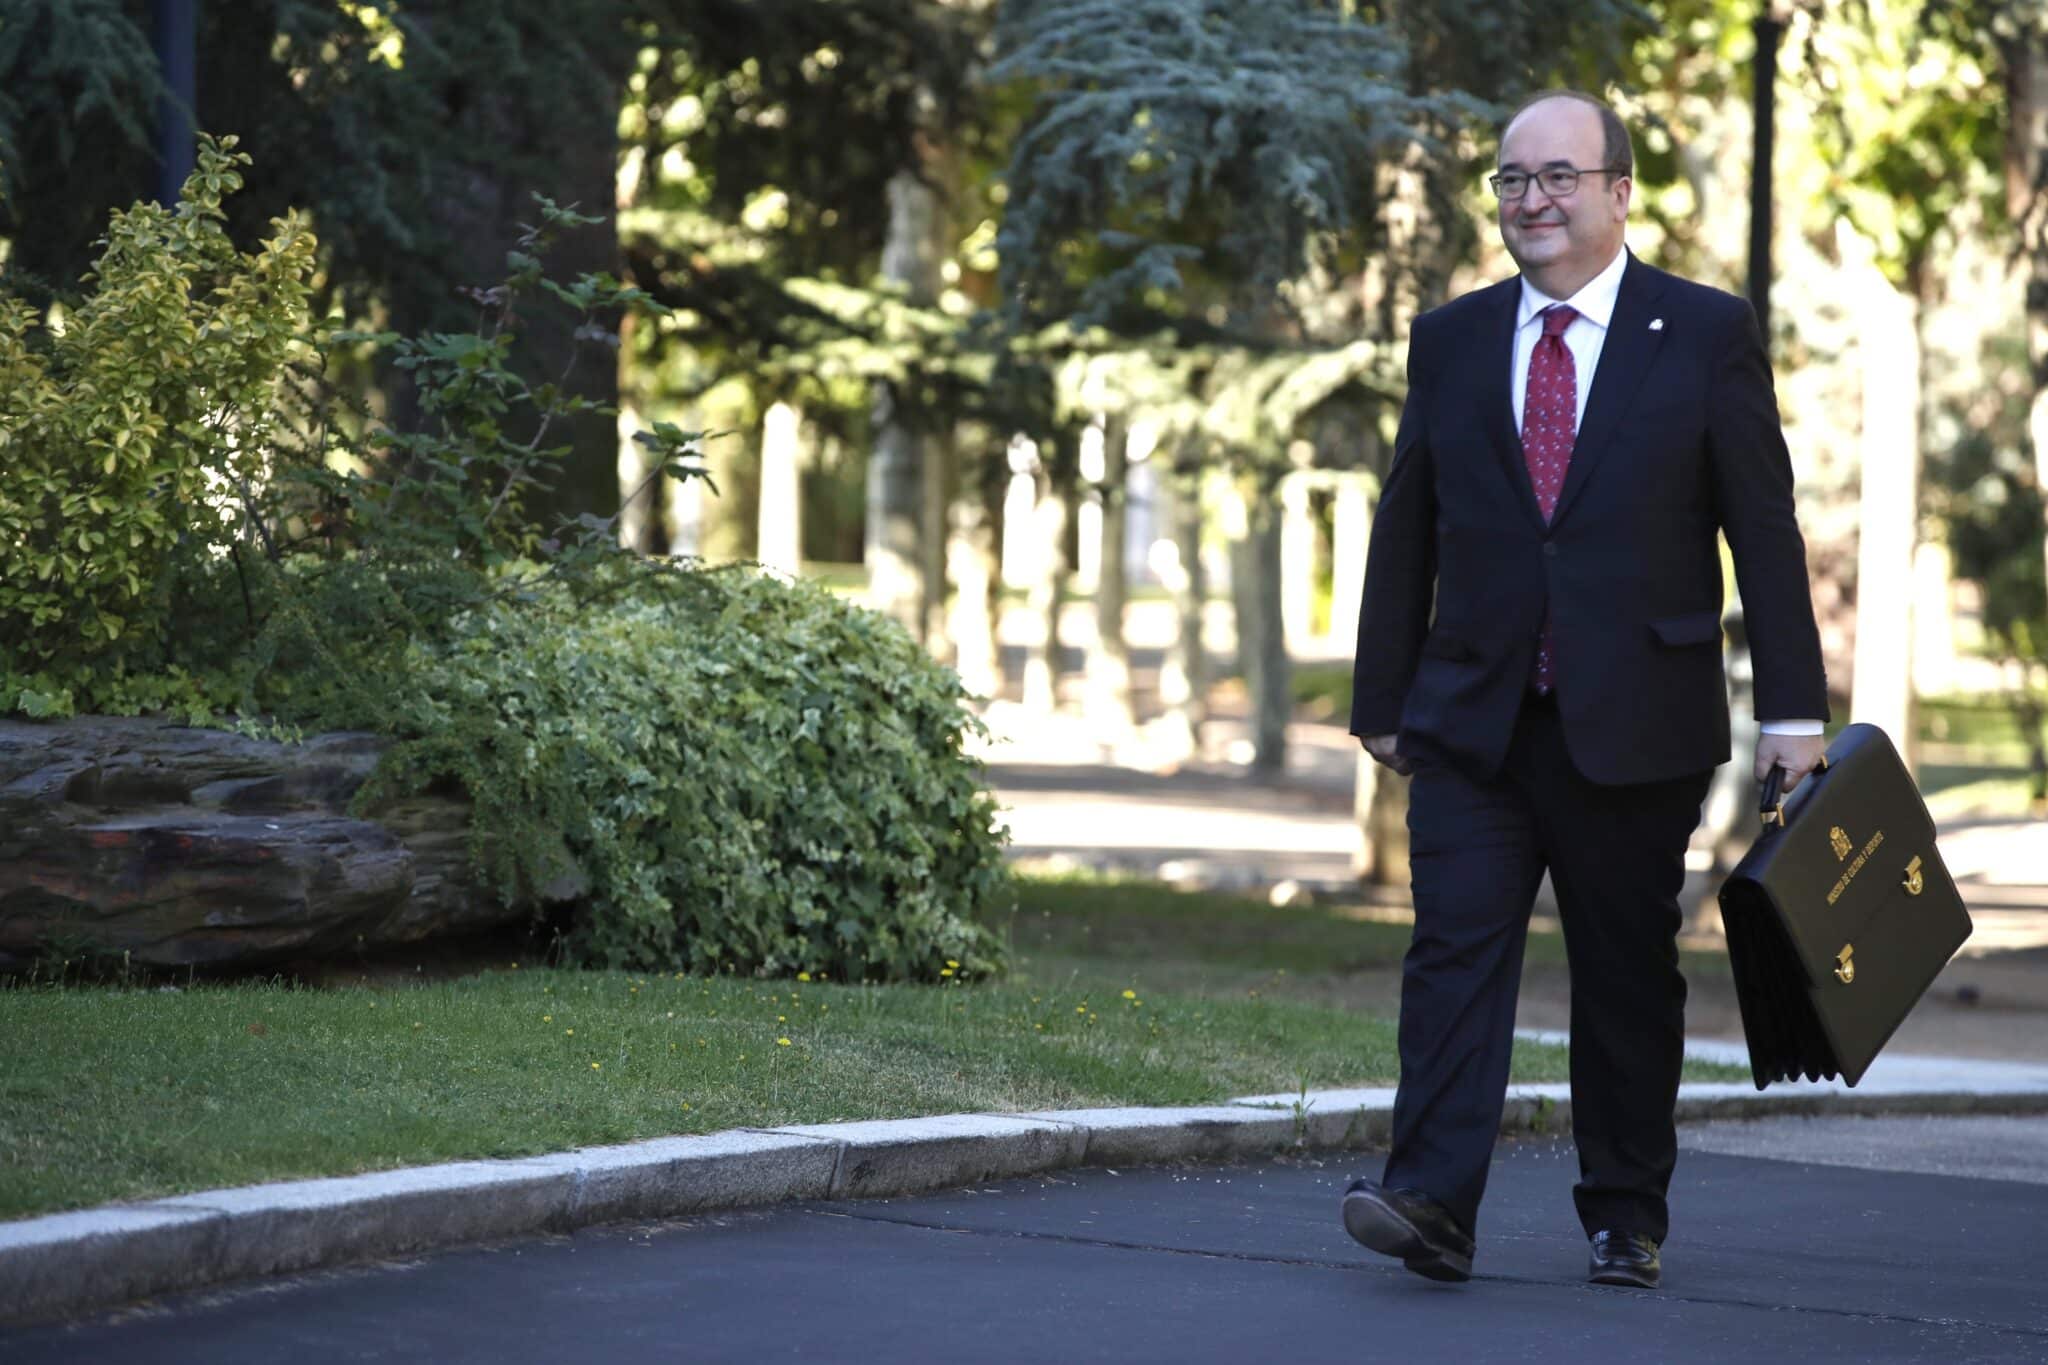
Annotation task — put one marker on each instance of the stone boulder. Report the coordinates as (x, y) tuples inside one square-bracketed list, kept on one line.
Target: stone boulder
[(188, 847)]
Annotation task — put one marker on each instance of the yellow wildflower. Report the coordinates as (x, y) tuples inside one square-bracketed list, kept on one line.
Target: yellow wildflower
[(782, 1042), (803, 976)]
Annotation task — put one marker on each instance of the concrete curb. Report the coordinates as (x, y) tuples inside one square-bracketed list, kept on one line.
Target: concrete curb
[(68, 1263)]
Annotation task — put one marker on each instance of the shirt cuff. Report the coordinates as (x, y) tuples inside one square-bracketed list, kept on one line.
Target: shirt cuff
[(1792, 727)]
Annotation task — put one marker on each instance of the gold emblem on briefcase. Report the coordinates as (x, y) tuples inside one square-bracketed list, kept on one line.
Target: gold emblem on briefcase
[(1839, 838)]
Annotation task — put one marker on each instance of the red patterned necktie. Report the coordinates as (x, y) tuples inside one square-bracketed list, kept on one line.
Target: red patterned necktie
[(1550, 410)]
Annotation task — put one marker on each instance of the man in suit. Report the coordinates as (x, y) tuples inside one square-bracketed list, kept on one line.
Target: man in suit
[(1540, 645)]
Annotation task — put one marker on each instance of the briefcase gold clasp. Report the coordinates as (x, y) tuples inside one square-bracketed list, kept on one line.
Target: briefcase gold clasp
[(1775, 815), (1914, 880), (1845, 964)]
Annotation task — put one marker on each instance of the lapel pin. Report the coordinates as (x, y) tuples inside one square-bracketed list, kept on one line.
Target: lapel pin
[(1656, 324)]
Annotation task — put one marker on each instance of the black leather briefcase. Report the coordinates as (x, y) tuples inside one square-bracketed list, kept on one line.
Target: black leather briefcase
[(1840, 916)]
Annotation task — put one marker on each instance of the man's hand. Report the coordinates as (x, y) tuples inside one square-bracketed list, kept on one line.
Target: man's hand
[(1798, 755), (1381, 747)]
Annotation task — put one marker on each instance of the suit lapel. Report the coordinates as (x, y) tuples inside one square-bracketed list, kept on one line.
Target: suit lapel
[(1497, 351), (1626, 356)]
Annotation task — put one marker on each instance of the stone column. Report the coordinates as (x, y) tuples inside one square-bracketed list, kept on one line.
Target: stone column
[(1297, 561), (969, 557), (1350, 532), (780, 540), (1088, 510), (1883, 686)]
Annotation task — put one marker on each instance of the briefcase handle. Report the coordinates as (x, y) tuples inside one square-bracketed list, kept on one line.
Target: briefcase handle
[(1773, 807)]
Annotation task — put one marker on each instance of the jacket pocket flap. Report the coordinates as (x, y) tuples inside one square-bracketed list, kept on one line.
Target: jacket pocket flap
[(1693, 628)]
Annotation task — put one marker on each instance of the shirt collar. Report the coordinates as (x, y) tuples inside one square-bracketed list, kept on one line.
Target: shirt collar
[(1594, 302)]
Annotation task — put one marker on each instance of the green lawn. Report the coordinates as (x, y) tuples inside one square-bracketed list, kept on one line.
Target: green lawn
[(1123, 994), (1211, 941)]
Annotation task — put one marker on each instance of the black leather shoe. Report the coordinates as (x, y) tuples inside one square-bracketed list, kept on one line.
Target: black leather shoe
[(1625, 1258), (1411, 1225)]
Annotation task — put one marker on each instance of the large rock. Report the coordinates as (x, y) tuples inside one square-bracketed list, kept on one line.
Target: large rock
[(206, 848)]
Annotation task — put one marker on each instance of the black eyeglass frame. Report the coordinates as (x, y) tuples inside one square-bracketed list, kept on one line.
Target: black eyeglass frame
[(1528, 177)]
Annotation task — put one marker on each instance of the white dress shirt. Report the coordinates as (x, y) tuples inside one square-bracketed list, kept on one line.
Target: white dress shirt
[(1585, 336)]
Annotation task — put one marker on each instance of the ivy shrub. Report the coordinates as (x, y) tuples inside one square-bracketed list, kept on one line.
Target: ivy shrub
[(748, 775), (754, 775)]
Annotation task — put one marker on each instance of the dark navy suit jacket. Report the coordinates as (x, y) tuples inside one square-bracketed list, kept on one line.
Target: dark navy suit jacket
[(1680, 440)]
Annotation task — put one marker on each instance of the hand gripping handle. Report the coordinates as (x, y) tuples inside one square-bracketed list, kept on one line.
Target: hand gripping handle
[(1772, 808)]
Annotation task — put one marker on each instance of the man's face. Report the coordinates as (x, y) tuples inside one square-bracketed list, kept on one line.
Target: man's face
[(1580, 232)]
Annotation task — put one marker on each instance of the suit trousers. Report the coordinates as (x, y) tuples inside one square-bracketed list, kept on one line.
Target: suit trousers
[(1616, 858)]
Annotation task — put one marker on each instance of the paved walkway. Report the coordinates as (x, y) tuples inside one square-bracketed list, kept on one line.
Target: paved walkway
[(1794, 1239)]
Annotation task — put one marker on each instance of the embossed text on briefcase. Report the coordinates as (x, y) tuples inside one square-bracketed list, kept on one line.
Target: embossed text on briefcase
[(1840, 916)]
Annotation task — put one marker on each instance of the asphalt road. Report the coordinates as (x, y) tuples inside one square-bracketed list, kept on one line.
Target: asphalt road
[(1780, 1252)]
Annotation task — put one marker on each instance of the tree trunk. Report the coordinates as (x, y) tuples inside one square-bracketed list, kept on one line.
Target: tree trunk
[(974, 560), (479, 207), (895, 511), (1429, 242), (936, 485), (1184, 679), (1109, 662), (1263, 638), (1048, 591), (641, 525), (1381, 795), (2025, 57), (913, 257)]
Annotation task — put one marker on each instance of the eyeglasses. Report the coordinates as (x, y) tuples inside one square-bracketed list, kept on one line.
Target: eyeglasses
[(1556, 181)]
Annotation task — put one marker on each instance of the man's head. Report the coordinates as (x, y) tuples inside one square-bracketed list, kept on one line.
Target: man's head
[(1563, 238)]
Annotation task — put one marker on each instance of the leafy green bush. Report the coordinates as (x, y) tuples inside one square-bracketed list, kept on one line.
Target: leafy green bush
[(131, 434), (747, 775), (753, 774)]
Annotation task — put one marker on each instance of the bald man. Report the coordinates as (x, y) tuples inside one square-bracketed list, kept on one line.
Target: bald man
[(1540, 647)]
